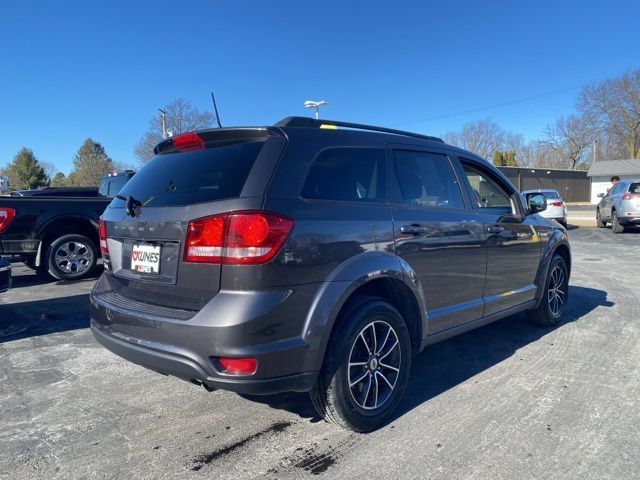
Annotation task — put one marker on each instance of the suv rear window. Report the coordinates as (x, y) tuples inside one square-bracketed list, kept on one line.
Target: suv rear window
[(550, 194), (214, 173), (112, 185), (347, 174)]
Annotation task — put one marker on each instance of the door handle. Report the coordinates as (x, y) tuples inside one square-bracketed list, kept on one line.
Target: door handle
[(495, 229), (413, 229)]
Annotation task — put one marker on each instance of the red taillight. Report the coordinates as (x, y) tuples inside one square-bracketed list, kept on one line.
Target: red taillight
[(557, 204), (102, 229), (205, 240), (629, 196), (236, 238), (7, 214), (185, 142), (238, 366)]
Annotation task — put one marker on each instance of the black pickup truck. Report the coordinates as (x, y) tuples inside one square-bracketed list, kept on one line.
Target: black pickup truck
[(57, 234)]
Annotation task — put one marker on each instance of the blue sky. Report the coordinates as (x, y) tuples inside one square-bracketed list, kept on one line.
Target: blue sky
[(72, 70)]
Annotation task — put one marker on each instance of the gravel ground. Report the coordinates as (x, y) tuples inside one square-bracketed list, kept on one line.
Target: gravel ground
[(509, 400)]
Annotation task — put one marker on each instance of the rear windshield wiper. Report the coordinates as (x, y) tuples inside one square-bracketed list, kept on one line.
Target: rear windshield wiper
[(133, 206)]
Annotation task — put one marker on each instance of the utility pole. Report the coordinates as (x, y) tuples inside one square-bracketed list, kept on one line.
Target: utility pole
[(595, 149), (163, 115)]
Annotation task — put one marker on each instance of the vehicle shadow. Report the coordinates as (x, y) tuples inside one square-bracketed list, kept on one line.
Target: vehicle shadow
[(447, 364), (31, 278), (444, 365), (28, 319)]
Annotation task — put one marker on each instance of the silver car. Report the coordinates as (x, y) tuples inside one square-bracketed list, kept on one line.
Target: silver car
[(556, 208), (620, 206)]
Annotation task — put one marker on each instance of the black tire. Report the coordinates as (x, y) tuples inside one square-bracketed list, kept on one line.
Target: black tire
[(555, 295), (359, 327), (599, 222), (616, 226), (81, 253)]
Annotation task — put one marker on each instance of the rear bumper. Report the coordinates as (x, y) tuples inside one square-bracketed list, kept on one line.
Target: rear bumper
[(631, 220), (263, 325), (556, 213), (188, 369), (19, 247)]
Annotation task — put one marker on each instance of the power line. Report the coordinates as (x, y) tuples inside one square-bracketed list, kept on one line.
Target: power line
[(490, 107)]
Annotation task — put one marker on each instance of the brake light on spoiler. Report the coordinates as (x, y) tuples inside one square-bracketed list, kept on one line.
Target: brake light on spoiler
[(245, 237), (186, 142), (7, 214)]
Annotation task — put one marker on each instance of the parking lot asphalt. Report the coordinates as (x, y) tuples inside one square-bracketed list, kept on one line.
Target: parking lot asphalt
[(510, 400), (582, 215)]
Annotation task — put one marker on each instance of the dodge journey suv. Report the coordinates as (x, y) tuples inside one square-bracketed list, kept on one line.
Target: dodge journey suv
[(304, 258)]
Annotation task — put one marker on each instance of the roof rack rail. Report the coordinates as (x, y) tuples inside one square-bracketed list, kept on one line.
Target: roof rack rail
[(313, 123)]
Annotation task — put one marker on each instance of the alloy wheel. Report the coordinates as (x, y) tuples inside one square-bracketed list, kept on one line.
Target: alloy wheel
[(374, 365), (73, 257), (556, 294)]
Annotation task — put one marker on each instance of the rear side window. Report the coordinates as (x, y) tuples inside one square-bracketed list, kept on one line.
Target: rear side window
[(426, 180), (198, 176), (347, 174), (634, 188)]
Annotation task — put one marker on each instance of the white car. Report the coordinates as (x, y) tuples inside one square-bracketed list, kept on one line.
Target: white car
[(556, 208)]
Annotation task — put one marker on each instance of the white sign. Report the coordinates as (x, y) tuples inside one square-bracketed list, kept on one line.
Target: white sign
[(145, 258)]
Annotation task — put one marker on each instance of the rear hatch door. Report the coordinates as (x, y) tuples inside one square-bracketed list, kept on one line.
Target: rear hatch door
[(146, 224)]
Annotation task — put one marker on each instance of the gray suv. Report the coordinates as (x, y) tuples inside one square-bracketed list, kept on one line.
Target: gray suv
[(620, 206), (312, 259)]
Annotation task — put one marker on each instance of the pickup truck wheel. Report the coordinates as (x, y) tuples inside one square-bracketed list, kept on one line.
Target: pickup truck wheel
[(71, 257), (555, 296), (366, 367)]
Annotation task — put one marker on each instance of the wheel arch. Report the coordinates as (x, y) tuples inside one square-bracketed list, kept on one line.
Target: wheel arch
[(378, 274), (65, 225), (558, 243)]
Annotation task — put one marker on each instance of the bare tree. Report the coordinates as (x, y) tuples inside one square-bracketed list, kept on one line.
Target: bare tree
[(613, 107), (49, 169), (481, 137), (571, 138), (181, 116)]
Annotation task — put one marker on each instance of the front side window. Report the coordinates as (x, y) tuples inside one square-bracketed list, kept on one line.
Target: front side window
[(426, 180), (487, 194), (617, 188), (347, 174)]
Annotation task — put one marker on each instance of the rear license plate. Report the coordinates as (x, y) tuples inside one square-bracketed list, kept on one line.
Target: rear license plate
[(145, 258)]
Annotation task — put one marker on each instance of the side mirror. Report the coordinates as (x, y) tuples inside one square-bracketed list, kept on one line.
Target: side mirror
[(536, 202), (600, 195)]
